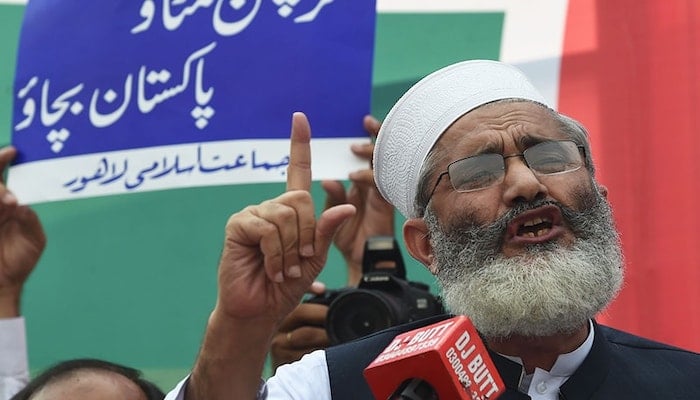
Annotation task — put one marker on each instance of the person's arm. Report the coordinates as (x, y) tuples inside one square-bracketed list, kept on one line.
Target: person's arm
[(22, 240), (272, 252)]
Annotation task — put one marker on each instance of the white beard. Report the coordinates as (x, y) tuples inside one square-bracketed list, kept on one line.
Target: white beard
[(549, 289)]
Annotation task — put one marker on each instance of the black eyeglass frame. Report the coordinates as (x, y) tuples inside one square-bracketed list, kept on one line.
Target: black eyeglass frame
[(581, 148)]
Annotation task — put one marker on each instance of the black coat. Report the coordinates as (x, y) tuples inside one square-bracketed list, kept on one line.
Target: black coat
[(619, 366)]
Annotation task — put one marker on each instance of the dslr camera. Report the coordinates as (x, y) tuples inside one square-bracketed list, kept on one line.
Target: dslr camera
[(383, 298)]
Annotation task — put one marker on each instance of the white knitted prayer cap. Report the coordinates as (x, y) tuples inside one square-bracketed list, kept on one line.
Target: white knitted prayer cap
[(426, 110)]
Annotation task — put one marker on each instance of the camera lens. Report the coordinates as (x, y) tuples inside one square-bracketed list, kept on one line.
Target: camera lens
[(358, 313)]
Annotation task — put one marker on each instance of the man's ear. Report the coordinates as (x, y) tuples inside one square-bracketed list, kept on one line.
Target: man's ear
[(417, 238), (603, 190)]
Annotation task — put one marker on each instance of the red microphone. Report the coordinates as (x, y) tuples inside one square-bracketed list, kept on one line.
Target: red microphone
[(446, 360)]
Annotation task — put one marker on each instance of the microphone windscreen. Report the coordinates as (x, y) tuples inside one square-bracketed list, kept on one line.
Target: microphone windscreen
[(448, 355)]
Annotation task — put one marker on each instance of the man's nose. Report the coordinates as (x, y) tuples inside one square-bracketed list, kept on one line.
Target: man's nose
[(520, 183)]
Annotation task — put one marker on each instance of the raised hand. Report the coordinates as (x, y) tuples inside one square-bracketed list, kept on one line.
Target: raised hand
[(273, 251), (22, 240), (374, 216), (303, 331)]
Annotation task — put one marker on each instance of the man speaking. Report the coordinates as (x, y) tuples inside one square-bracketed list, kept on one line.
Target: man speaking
[(502, 206)]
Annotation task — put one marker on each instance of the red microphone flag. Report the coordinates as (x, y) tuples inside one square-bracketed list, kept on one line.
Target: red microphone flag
[(449, 355)]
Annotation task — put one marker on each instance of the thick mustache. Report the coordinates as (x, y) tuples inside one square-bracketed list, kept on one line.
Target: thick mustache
[(492, 235), (468, 222), (584, 222)]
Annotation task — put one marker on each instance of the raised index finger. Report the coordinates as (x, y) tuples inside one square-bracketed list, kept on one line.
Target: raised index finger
[(6, 155), (299, 168)]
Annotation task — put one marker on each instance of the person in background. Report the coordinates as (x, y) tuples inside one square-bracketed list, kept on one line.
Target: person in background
[(22, 241), (502, 206), (89, 379), (303, 330)]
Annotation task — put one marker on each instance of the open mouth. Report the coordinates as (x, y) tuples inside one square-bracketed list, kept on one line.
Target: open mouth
[(536, 226)]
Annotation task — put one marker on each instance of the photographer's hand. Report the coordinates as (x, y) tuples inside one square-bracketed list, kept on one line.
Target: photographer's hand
[(374, 216), (272, 252), (22, 240), (302, 332)]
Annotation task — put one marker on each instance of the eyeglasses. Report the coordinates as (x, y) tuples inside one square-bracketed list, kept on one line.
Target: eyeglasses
[(486, 170)]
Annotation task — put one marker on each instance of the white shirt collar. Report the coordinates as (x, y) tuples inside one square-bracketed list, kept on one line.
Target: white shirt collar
[(545, 384)]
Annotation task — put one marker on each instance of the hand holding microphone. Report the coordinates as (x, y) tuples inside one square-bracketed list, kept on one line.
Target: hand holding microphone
[(446, 360)]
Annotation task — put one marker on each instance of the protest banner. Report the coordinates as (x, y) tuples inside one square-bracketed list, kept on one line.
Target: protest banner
[(143, 95)]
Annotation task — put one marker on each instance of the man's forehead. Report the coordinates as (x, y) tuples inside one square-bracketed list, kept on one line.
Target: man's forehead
[(516, 117)]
